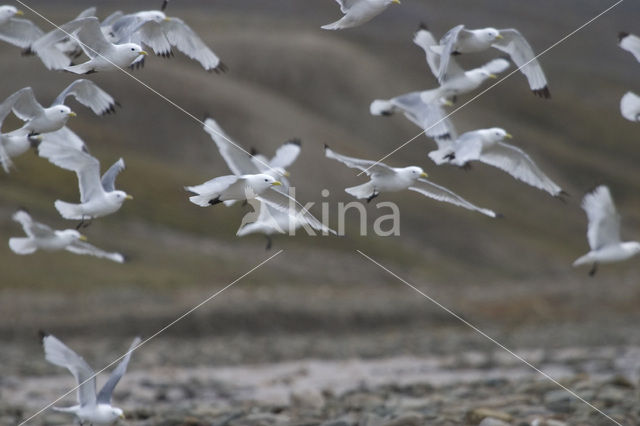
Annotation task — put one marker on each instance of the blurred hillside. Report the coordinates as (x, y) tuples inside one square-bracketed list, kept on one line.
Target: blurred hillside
[(288, 78)]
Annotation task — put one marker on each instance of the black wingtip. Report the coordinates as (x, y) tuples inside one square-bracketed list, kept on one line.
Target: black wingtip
[(42, 334), (206, 116), (622, 35), (221, 68), (542, 93), (165, 3), (423, 26), (125, 258), (215, 201), (294, 141), (562, 196), (326, 147), (253, 151), (499, 216), (27, 52)]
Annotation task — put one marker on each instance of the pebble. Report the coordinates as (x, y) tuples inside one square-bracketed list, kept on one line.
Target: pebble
[(479, 414)]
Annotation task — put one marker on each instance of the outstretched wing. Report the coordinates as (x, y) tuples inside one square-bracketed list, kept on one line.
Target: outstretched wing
[(630, 43), (604, 220), (65, 137), (20, 32), (25, 106), (80, 247), (88, 94), (367, 166), (518, 164), (59, 354), (32, 228), (104, 396), (441, 193), (345, 5), (286, 154), (46, 49), (92, 40), (87, 168), (448, 68), (109, 177), (188, 42), (518, 48), (237, 159)]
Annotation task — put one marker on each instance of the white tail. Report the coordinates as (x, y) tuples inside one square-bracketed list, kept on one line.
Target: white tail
[(68, 210), (22, 245), (201, 200), (361, 191), (381, 107)]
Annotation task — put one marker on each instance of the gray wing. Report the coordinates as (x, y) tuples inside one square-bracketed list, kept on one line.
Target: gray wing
[(367, 166), (59, 354), (286, 154), (238, 160), (65, 137), (467, 148), (440, 193), (109, 20), (46, 49), (425, 40), (88, 12), (518, 164), (80, 247), (5, 160), (87, 168), (287, 204), (345, 5), (109, 177), (187, 41), (448, 67), (496, 66), (604, 220), (20, 32), (104, 396), (213, 188), (32, 228), (521, 53), (25, 106), (88, 94), (430, 117), (7, 105), (92, 40)]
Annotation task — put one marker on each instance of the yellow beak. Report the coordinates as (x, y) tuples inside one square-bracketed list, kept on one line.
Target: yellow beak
[(508, 136), (424, 175), (129, 197), (395, 1), (122, 416), (166, 19), (83, 238), (72, 114), (493, 76), (499, 36), (19, 12), (448, 103), (286, 174), (142, 52), (276, 183)]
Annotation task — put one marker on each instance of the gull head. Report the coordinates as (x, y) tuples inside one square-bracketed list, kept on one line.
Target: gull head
[(117, 413), (119, 196), (496, 134), (7, 12), (132, 50), (393, 1), (70, 235), (59, 113), (261, 182), (489, 35), (413, 172)]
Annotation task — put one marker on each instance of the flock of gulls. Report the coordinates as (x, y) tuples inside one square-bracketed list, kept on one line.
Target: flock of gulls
[(86, 45)]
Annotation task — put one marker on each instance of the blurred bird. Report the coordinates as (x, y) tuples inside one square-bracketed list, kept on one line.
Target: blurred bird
[(97, 197), (103, 54), (459, 40), (630, 106), (630, 43), (154, 29), (13, 144), (357, 12), (16, 31), (487, 146), (603, 231), (392, 179), (93, 407), (42, 237)]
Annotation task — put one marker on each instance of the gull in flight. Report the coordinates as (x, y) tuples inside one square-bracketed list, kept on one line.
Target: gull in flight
[(603, 231), (630, 106), (98, 197), (457, 81), (42, 237), (17, 142), (459, 40), (357, 12), (39, 119), (103, 54), (487, 146), (391, 179), (93, 407), (16, 31), (161, 33), (630, 43), (268, 220)]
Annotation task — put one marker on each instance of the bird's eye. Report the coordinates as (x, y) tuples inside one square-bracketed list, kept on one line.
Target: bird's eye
[(266, 180), (132, 49)]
